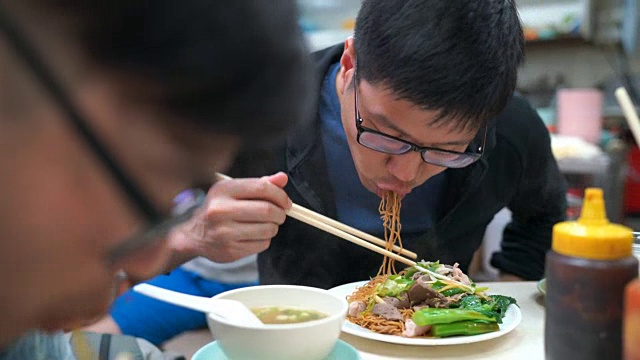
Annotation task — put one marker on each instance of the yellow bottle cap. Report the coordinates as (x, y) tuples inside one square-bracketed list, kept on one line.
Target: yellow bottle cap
[(592, 236)]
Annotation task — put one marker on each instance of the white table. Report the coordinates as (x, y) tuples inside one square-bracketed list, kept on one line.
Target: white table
[(524, 342)]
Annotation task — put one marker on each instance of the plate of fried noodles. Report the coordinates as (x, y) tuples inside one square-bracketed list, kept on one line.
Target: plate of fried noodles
[(427, 304)]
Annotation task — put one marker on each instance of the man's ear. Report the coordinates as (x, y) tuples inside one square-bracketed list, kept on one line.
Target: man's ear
[(347, 64), (348, 59)]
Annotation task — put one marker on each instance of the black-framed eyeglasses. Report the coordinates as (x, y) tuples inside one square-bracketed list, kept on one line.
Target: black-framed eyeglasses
[(378, 141), (185, 204)]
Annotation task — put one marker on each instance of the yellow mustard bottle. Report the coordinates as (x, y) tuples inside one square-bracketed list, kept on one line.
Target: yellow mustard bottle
[(587, 269)]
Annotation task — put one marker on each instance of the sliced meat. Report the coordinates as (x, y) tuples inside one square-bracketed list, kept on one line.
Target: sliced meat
[(437, 302), (387, 311), (421, 291), (418, 307), (356, 307), (400, 302), (458, 275), (457, 297), (413, 330), (443, 269), (419, 275)]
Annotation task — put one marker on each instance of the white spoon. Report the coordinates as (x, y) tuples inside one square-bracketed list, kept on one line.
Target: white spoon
[(230, 310)]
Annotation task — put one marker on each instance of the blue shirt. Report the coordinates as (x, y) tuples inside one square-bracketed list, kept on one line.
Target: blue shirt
[(355, 205)]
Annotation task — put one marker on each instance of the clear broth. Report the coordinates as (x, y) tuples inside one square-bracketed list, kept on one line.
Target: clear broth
[(286, 315)]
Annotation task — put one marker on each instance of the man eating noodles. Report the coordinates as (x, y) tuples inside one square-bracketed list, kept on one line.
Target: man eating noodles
[(418, 102)]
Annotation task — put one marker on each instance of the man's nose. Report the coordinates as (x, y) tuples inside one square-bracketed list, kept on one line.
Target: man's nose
[(405, 167)]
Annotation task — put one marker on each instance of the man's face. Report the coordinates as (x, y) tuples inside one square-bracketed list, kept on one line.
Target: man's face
[(61, 211), (382, 111)]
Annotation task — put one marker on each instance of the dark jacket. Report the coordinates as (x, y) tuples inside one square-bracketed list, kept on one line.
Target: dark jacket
[(517, 171)]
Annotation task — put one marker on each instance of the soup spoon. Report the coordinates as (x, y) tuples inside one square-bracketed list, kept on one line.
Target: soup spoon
[(232, 311)]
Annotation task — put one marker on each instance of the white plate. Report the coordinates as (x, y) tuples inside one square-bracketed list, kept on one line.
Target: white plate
[(509, 322)]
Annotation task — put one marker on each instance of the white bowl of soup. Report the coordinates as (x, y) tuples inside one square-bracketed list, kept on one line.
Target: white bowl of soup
[(301, 323)]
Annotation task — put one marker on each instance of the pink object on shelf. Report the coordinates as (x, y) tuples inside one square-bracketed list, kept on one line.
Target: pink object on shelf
[(580, 113)]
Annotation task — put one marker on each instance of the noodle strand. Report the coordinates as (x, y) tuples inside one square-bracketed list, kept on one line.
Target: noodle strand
[(389, 210)]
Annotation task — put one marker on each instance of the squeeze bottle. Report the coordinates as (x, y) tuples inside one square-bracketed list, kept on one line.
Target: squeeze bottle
[(587, 269)]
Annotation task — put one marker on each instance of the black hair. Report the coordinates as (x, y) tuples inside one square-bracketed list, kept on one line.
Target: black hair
[(239, 67), (458, 57)]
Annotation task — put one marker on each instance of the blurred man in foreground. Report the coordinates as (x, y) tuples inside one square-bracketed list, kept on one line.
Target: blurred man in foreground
[(108, 110)]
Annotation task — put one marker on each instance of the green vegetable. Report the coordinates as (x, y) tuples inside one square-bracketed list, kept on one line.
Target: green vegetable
[(431, 316), (471, 302), (428, 265), (495, 307), (463, 328), (501, 303), (394, 286), (438, 285), (431, 266), (410, 271), (451, 292)]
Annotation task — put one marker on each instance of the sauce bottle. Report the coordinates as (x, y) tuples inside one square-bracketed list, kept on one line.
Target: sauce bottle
[(631, 322), (587, 269)]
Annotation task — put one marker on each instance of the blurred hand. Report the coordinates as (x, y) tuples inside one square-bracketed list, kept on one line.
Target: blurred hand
[(240, 218)]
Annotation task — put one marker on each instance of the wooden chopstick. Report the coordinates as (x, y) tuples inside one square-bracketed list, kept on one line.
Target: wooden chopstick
[(344, 231), (629, 111), (346, 236), (297, 210)]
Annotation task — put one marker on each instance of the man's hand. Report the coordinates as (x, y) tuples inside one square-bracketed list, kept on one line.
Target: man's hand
[(240, 218)]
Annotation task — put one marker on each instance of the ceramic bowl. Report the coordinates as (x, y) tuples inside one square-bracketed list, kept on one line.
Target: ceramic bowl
[(312, 340)]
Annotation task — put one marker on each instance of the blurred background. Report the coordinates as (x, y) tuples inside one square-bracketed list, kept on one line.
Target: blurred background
[(577, 53)]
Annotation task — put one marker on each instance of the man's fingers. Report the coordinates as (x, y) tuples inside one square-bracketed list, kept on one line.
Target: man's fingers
[(255, 189), (244, 232), (279, 179), (245, 211)]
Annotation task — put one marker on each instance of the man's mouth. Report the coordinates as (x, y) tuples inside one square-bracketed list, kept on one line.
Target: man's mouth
[(401, 190)]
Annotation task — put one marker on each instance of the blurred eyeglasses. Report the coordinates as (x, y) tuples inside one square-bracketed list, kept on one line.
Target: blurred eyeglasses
[(378, 141), (186, 203)]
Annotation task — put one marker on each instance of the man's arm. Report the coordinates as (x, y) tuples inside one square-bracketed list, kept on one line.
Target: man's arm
[(539, 203)]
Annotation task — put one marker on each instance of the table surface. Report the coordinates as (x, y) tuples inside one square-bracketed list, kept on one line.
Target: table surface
[(525, 342)]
